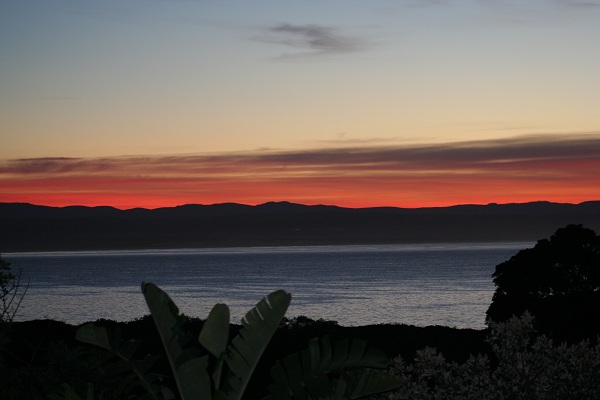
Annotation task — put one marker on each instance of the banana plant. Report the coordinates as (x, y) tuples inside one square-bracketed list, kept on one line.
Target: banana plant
[(325, 370), (235, 362)]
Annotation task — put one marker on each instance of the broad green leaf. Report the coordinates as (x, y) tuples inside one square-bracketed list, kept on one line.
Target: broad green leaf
[(280, 382), (314, 354), (215, 332), (326, 373), (350, 354), (293, 368), (92, 334), (258, 326), (214, 337), (366, 356), (340, 389), (190, 375), (357, 351), (326, 355), (341, 350), (317, 383)]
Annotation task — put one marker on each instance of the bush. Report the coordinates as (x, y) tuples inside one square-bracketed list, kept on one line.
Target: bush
[(523, 365)]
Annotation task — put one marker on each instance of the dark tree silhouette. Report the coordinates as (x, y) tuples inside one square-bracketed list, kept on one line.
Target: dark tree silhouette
[(12, 292), (557, 281)]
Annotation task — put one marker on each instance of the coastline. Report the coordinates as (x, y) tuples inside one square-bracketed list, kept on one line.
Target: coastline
[(282, 249)]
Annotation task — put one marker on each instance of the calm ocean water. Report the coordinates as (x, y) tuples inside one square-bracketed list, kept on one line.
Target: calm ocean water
[(441, 284)]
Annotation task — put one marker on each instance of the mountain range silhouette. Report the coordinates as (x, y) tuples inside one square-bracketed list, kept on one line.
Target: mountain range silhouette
[(27, 227)]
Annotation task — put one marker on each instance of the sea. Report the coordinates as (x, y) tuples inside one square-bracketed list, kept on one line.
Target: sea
[(355, 285)]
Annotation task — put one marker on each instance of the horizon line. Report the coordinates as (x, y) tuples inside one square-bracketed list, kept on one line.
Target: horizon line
[(303, 205)]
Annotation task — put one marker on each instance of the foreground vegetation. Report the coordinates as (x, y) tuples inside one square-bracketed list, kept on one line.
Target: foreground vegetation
[(509, 360), (541, 343), (521, 365)]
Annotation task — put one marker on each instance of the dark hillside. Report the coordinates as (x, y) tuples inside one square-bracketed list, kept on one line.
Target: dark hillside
[(26, 227)]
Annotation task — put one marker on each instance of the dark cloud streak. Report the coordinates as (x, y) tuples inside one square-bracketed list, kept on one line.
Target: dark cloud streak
[(526, 153), (314, 39)]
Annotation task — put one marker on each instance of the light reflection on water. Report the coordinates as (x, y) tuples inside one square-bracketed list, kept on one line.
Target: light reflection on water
[(355, 285)]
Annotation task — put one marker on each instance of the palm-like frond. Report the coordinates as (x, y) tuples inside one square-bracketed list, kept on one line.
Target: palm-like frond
[(190, 372), (258, 327), (326, 370)]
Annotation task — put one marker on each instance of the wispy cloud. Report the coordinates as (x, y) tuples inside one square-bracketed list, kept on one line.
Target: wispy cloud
[(312, 39), (546, 167)]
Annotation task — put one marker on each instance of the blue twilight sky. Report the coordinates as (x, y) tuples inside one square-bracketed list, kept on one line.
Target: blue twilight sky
[(115, 78), (81, 78)]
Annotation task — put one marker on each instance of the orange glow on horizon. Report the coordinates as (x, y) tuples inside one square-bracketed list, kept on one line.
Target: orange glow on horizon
[(130, 203), (515, 170), (368, 192)]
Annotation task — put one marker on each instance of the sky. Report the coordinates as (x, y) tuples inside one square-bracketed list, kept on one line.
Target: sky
[(407, 103)]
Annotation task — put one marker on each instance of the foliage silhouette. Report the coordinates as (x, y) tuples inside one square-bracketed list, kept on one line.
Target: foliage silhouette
[(132, 373), (221, 369), (12, 292), (557, 281), (332, 370), (523, 366)]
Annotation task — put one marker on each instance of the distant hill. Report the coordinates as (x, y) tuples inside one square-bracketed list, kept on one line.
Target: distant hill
[(27, 227)]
